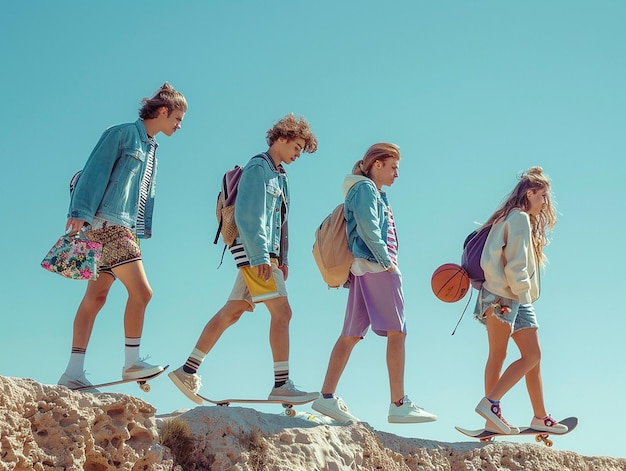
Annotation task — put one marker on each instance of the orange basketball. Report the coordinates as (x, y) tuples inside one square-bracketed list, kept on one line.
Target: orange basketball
[(450, 282)]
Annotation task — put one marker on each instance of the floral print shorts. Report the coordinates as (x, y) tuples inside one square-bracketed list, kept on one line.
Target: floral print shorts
[(119, 246)]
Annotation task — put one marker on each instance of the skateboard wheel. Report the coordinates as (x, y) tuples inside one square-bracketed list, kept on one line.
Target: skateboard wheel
[(145, 387), (289, 412)]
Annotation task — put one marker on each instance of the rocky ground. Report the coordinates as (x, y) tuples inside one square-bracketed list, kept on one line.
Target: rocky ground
[(45, 427)]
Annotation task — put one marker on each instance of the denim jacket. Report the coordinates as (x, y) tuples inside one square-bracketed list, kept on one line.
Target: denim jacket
[(108, 186), (367, 219), (261, 210)]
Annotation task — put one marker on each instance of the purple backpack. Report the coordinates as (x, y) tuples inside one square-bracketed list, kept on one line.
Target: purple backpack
[(225, 206), (472, 251)]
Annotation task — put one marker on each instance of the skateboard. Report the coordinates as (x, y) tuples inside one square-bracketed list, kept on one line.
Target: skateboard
[(289, 410), (540, 436), (142, 382)]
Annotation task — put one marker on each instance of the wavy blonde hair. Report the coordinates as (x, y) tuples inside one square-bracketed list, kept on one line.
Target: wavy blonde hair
[(542, 224), (379, 151)]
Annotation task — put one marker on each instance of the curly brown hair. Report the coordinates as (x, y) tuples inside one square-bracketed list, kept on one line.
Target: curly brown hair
[(164, 96), (292, 128)]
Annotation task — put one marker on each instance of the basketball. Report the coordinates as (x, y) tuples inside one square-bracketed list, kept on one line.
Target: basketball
[(450, 282)]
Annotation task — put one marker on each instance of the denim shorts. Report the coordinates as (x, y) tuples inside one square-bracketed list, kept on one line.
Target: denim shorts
[(520, 316)]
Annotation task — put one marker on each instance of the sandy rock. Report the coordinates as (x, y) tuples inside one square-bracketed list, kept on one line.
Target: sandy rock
[(239, 438), (46, 427)]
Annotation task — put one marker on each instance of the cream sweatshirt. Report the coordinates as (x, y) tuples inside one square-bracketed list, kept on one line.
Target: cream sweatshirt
[(509, 260)]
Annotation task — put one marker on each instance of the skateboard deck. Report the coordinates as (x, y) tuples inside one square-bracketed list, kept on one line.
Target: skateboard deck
[(142, 382), (540, 435), (289, 411)]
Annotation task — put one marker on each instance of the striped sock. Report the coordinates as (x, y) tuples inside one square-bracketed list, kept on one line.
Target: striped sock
[(76, 365), (281, 373), (132, 351), (194, 361)]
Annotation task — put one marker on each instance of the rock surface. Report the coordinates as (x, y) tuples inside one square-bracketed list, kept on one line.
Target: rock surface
[(45, 427)]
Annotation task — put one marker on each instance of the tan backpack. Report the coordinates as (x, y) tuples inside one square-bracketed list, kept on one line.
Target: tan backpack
[(330, 249)]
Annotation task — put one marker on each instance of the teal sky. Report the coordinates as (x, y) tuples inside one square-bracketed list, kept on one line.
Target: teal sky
[(472, 92)]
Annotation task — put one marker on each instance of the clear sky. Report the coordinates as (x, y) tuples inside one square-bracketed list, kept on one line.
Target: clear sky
[(472, 92)]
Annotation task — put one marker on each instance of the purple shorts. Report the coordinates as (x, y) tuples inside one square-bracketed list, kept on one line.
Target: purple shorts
[(374, 299)]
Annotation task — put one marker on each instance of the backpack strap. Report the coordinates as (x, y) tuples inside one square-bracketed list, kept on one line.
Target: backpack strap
[(463, 313), (222, 257), (219, 226)]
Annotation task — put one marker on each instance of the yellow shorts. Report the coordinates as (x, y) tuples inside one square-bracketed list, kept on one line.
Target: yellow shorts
[(249, 287)]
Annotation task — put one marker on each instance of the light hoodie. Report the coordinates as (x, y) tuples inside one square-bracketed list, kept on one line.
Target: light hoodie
[(509, 259)]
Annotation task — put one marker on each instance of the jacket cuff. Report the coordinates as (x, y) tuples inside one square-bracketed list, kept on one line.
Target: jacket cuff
[(256, 261)]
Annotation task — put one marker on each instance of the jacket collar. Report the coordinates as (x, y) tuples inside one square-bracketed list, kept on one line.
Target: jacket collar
[(271, 163), (141, 128)]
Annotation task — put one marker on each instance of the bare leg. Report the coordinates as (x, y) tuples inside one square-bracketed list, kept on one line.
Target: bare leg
[(222, 320), (280, 312), (528, 342), (91, 304), (133, 276), (498, 333), (338, 360), (530, 356), (395, 364)]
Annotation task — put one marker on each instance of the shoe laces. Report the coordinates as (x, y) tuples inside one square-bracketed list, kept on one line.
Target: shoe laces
[(289, 386), (193, 381), (410, 404), (82, 379), (342, 405), (548, 421), (495, 408), (143, 360)]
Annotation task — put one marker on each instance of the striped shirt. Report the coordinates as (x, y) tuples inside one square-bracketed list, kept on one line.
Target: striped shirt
[(144, 188), (392, 239)]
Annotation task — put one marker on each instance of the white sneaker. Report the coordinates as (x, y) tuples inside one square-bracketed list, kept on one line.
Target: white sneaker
[(77, 383), (548, 424), (188, 383), (493, 413), (289, 393), (140, 370), (408, 413), (335, 408)]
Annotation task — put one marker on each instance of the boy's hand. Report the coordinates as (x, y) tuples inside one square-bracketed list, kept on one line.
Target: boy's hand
[(75, 225), (264, 271)]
